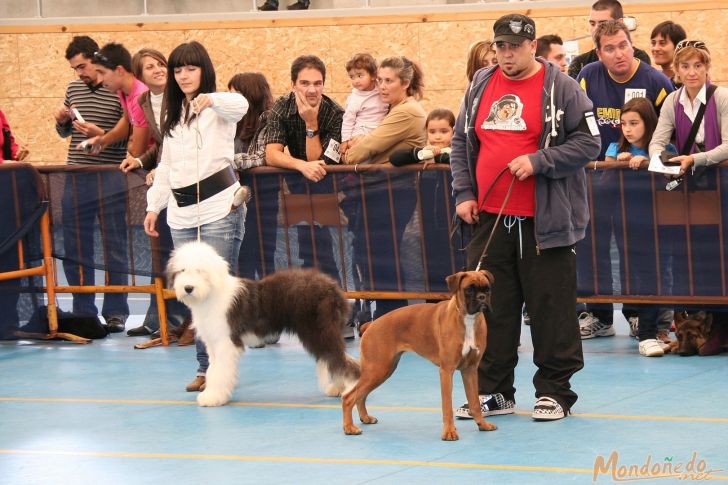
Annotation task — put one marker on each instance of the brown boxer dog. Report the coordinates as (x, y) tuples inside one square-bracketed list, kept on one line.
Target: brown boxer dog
[(450, 334)]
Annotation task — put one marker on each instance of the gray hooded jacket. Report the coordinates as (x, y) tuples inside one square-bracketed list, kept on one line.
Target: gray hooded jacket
[(569, 140)]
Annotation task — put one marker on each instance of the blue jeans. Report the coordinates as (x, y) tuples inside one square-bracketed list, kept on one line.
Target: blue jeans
[(86, 197), (225, 236)]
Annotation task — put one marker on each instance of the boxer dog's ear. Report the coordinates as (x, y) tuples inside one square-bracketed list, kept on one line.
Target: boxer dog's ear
[(453, 281), (488, 276)]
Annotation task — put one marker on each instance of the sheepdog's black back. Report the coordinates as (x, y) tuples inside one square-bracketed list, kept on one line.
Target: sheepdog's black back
[(304, 302)]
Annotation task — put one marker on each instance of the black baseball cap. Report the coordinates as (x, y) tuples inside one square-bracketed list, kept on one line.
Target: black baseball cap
[(514, 28)]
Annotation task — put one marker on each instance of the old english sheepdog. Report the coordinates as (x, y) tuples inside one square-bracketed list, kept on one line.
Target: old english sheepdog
[(229, 312)]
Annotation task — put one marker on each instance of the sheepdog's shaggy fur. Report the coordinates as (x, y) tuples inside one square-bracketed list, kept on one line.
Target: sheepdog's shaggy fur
[(230, 312)]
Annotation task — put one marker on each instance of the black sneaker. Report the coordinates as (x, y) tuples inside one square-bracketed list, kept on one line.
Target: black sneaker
[(490, 405), (268, 7), (547, 409), (139, 331), (115, 324), (299, 5)]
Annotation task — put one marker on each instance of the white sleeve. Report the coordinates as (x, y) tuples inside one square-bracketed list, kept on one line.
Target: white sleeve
[(229, 106), (160, 191)]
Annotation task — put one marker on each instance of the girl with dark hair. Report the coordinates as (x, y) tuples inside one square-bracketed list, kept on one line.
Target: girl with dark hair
[(638, 121), (249, 139), (249, 153), (150, 66), (197, 151)]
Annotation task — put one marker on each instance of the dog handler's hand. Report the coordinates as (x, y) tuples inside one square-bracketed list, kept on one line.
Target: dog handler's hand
[(150, 224), (313, 170), (201, 102), (468, 211), (521, 167)]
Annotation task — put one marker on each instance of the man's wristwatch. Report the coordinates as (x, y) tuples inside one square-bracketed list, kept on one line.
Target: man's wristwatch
[(311, 133)]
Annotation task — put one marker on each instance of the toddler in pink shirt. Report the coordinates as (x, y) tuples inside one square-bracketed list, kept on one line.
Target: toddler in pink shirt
[(364, 109)]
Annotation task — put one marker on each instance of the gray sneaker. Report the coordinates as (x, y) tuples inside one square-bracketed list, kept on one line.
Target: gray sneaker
[(490, 405), (590, 327)]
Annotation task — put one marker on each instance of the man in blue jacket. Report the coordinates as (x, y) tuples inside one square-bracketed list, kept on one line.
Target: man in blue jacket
[(525, 117)]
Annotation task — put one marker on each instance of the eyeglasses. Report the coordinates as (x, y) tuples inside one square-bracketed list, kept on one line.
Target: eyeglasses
[(697, 44), (98, 56)]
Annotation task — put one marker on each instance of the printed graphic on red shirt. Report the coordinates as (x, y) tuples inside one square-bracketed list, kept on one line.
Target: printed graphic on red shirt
[(505, 114)]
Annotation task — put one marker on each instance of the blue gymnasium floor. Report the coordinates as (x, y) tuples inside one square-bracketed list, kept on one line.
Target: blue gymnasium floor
[(108, 414)]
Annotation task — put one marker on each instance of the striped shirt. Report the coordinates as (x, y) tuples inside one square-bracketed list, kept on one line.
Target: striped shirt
[(98, 106)]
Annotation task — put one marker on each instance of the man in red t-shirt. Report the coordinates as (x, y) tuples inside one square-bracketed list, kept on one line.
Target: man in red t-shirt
[(526, 117)]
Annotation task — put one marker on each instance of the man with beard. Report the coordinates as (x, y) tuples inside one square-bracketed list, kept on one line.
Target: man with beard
[(99, 111)]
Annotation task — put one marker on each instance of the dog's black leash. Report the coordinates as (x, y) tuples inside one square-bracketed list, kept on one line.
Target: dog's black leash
[(458, 226), (500, 213)]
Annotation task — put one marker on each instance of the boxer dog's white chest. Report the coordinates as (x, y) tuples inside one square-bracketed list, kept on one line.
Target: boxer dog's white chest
[(469, 341)]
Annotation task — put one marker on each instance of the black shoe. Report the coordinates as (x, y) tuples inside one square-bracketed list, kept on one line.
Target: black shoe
[(268, 6), (156, 334), (115, 324), (299, 5), (139, 331)]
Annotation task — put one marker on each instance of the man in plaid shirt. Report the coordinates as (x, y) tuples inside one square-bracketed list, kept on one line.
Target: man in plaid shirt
[(309, 124)]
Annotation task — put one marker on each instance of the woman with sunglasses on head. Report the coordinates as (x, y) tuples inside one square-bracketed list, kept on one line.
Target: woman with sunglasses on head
[(197, 151), (692, 67), (709, 147), (150, 66)]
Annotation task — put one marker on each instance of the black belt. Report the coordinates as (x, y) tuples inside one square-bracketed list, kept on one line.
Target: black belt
[(212, 185)]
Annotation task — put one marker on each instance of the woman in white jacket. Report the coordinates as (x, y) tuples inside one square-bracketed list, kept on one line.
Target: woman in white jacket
[(199, 146)]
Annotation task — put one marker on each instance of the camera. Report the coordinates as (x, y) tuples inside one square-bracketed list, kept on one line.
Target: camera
[(86, 146), (673, 184), (77, 115)]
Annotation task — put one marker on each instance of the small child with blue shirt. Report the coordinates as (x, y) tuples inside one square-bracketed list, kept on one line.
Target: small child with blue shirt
[(638, 121)]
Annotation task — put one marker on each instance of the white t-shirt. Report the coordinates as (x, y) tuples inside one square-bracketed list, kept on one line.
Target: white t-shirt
[(156, 100)]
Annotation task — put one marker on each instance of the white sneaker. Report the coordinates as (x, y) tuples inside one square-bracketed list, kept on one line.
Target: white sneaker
[(547, 409), (634, 326), (590, 327), (651, 348), (663, 345)]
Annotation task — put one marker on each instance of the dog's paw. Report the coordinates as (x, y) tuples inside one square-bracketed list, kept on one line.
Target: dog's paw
[(486, 426), (368, 419), (352, 430), (450, 434), (208, 398)]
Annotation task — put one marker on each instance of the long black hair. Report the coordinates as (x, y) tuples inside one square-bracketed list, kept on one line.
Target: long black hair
[(189, 54)]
